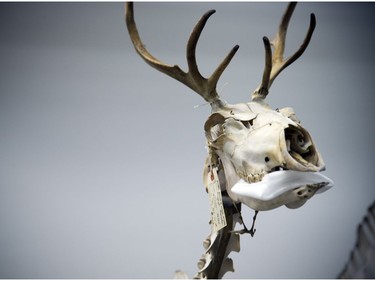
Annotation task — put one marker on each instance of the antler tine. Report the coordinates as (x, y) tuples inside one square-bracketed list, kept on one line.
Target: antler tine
[(206, 86), (275, 63), (142, 51), (192, 45), (193, 79)]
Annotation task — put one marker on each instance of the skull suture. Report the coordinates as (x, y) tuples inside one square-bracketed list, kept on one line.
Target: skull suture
[(266, 158)]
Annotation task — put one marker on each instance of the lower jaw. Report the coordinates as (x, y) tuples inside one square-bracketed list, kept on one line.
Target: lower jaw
[(281, 188)]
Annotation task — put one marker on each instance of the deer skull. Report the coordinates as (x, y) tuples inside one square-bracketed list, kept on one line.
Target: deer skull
[(265, 158)]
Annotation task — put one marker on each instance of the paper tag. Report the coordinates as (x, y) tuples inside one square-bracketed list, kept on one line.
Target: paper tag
[(218, 220)]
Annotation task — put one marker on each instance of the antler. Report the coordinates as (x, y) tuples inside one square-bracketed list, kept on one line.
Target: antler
[(275, 63), (205, 87)]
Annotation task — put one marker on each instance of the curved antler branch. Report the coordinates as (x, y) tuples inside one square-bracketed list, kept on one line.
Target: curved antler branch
[(263, 89), (142, 51), (206, 88), (275, 63), (192, 46)]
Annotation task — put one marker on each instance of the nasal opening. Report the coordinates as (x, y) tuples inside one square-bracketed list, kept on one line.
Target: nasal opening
[(301, 147)]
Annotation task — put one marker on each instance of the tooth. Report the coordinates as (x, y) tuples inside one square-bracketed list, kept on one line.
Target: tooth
[(248, 179), (256, 178)]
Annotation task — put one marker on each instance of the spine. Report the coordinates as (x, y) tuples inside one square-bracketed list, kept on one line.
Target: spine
[(215, 262)]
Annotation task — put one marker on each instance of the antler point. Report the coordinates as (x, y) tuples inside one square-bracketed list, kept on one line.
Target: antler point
[(210, 13), (313, 19)]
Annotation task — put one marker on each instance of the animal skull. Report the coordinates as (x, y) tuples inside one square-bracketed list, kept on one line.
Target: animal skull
[(266, 158)]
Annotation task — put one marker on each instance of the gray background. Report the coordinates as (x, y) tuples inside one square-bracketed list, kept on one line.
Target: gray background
[(101, 156)]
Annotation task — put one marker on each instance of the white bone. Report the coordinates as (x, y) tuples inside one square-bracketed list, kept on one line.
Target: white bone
[(276, 188)]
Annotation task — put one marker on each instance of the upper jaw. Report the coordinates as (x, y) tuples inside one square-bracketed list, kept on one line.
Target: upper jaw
[(287, 187)]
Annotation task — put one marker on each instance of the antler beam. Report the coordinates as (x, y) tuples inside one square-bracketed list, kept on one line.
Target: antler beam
[(275, 63), (205, 87)]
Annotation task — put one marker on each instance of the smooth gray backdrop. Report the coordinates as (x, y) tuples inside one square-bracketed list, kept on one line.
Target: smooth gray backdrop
[(101, 156)]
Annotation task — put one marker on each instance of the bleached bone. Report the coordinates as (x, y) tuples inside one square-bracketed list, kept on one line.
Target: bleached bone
[(264, 158)]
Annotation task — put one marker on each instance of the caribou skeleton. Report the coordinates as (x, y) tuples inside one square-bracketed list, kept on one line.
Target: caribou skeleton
[(257, 156)]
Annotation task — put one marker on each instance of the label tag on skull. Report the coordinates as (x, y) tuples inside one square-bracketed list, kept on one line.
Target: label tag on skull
[(218, 220)]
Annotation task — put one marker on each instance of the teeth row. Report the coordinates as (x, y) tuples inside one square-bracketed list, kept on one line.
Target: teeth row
[(256, 177), (252, 178)]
